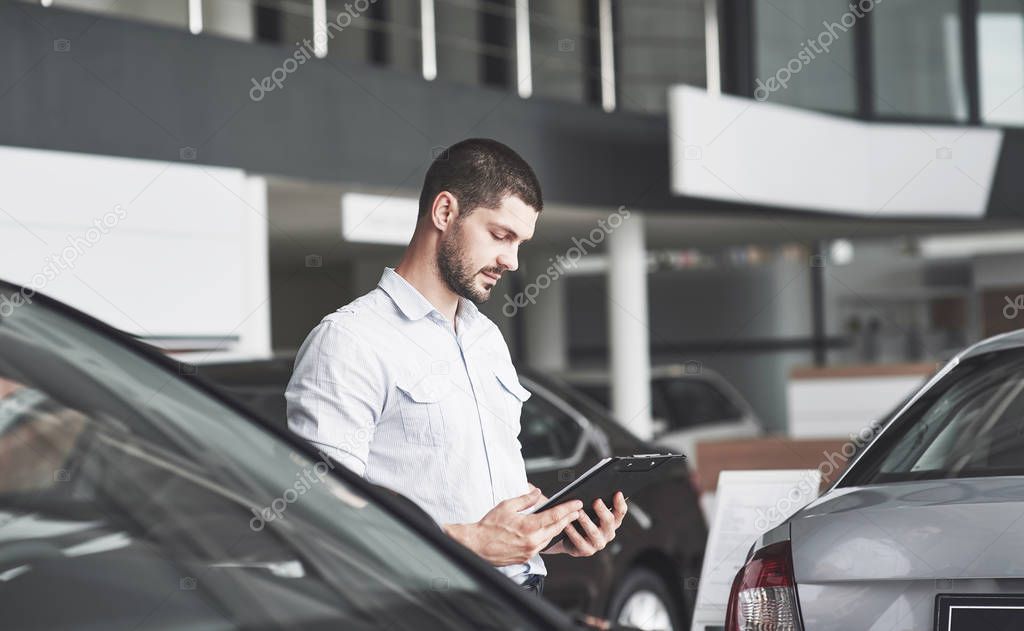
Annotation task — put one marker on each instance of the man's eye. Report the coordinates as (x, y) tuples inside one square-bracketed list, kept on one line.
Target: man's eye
[(498, 237)]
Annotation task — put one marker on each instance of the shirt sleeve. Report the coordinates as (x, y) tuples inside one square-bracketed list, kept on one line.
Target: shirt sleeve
[(336, 394)]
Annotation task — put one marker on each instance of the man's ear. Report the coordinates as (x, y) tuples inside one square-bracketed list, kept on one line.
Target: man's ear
[(445, 210)]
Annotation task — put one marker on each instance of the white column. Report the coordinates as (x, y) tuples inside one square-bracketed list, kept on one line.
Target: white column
[(524, 70), (628, 333), (320, 28), (254, 330), (712, 56), (195, 16), (428, 39), (606, 40), (547, 337)]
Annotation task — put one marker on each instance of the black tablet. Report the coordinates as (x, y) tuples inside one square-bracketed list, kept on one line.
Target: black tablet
[(628, 474)]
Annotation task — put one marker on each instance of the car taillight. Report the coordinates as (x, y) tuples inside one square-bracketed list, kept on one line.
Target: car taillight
[(763, 596)]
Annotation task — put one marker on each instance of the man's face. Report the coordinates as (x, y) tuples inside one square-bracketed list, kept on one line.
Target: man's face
[(477, 249)]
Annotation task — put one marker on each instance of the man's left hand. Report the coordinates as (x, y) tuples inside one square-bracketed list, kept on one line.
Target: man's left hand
[(595, 536)]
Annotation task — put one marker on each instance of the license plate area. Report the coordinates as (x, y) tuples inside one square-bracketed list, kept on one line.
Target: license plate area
[(971, 612)]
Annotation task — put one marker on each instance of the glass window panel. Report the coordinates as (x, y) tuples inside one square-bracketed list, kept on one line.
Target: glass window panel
[(658, 44), (918, 59), (807, 47), (349, 33), (1001, 61), (560, 42), (476, 41), (458, 40), (285, 22)]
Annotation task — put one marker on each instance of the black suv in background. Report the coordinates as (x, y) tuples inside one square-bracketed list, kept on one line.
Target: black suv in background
[(647, 577)]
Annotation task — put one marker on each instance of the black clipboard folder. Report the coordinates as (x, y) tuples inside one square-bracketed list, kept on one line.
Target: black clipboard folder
[(628, 474)]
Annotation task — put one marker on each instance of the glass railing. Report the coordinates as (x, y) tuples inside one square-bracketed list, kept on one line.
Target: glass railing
[(565, 50), (544, 48), (164, 12)]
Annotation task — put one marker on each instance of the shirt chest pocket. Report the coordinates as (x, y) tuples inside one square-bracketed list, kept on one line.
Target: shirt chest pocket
[(421, 405), (510, 395)]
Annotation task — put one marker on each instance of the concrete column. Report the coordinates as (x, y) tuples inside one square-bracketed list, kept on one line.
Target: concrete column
[(547, 340), (628, 332)]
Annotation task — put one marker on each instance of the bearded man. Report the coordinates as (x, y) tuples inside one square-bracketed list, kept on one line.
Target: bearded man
[(411, 387)]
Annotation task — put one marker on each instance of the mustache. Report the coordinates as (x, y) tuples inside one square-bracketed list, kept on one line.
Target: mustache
[(492, 270)]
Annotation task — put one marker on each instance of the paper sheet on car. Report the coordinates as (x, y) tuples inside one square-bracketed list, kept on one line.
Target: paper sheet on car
[(748, 503)]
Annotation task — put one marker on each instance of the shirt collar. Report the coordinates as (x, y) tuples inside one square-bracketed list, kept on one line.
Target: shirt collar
[(411, 302)]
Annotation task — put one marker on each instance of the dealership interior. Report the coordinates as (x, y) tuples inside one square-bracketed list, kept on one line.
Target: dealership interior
[(770, 231)]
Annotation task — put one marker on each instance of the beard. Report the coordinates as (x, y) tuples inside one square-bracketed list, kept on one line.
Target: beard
[(456, 271)]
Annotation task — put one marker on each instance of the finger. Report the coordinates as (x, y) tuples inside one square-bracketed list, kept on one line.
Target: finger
[(579, 542), (548, 532), (594, 534), (620, 507), (556, 514), (608, 522), (522, 502)]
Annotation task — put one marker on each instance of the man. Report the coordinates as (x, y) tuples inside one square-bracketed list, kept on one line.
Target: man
[(413, 388)]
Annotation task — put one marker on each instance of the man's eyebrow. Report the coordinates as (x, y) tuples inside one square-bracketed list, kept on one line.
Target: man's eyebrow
[(509, 230)]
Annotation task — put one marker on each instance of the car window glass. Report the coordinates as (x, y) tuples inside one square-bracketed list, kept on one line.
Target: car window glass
[(971, 425), (129, 498), (548, 432), (601, 394), (694, 402)]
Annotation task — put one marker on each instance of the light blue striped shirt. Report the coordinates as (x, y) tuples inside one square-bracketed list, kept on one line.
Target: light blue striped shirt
[(385, 386)]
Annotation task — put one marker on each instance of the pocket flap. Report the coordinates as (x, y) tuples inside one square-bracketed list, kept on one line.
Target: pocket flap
[(425, 390), (508, 379)]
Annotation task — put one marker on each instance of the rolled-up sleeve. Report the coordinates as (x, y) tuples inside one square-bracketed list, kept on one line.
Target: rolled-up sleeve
[(336, 394)]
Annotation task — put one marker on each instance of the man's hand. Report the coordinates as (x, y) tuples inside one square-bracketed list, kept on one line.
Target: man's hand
[(595, 537), (504, 537)]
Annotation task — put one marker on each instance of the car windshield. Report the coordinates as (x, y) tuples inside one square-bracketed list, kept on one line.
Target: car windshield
[(970, 424), (129, 498)]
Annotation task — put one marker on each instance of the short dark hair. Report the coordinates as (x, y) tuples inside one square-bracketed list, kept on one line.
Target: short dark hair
[(480, 172)]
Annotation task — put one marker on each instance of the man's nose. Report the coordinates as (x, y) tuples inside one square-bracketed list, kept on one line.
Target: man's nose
[(509, 261)]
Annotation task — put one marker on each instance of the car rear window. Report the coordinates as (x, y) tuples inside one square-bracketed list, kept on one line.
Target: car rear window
[(969, 424)]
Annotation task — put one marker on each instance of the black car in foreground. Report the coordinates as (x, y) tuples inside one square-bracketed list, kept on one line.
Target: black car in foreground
[(646, 578), (133, 495)]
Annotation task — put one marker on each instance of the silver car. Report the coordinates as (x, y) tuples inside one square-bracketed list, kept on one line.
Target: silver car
[(925, 530)]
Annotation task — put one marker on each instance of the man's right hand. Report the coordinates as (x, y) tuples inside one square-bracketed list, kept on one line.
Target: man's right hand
[(504, 537)]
